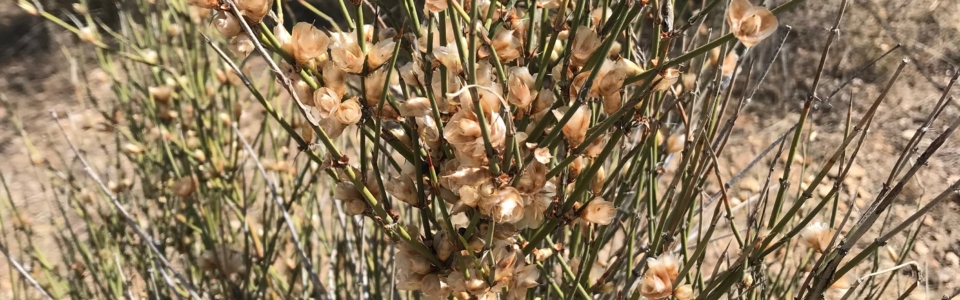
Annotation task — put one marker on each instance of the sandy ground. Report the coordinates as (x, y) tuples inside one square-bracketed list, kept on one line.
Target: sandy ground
[(36, 79)]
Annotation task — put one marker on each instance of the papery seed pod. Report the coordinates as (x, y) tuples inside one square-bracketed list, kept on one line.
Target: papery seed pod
[(542, 254), (415, 107), (307, 134), (332, 127), (612, 103), (375, 82), (505, 207), (729, 64), (476, 244), (747, 280), (476, 286), (325, 100), (283, 38), (584, 44), (308, 42), (412, 74), (818, 236), (184, 187), (507, 46), (657, 281), (348, 112), (160, 93), (576, 128), (596, 185), (380, 53), (227, 24), (435, 286), (346, 191), (303, 90), (676, 142), (346, 53), (665, 79), (242, 44), (519, 85), (599, 14), (575, 167), (354, 207), (683, 292), (526, 277), (254, 10), (334, 78), (599, 211), (750, 24), (448, 56)]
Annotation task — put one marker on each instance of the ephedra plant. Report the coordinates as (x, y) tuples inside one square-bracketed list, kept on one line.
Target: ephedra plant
[(552, 149)]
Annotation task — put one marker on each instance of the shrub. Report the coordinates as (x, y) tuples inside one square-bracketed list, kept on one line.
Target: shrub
[(467, 149)]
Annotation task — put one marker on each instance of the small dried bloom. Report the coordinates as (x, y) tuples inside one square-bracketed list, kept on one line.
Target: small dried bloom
[(817, 236), (599, 13), (415, 107), (284, 38), (380, 53), (325, 100), (434, 6), (254, 10), (526, 277), (520, 87), (507, 46), (435, 286), (334, 78), (354, 207), (88, 34), (308, 42), (412, 74), (684, 292), (345, 52), (300, 87), (599, 211), (596, 185), (242, 44), (729, 64), (750, 24), (542, 254), (506, 206), (584, 44), (449, 57), (348, 112), (665, 79), (576, 128), (227, 24), (411, 261), (657, 282), (612, 102), (533, 212), (375, 83), (332, 127), (676, 142)]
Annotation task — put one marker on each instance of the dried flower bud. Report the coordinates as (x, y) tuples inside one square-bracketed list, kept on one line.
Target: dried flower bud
[(599, 211), (412, 74), (435, 286), (354, 207), (415, 107), (526, 277), (346, 53), (242, 44), (596, 185), (504, 207), (599, 13), (665, 79), (254, 10), (334, 78), (817, 236), (332, 127), (308, 42), (283, 38), (434, 6), (88, 34), (729, 64), (325, 100), (575, 167), (584, 44), (657, 282), (375, 83), (575, 131), (507, 46), (542, 254), (519, 86), (750, 24), (348, 112), (160, 93), (676, 142), (227, 24), (380, 53), (448, 56), (684, 292)]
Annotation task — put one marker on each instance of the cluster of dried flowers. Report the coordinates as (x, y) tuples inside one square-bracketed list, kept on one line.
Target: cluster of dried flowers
[(463, 119)]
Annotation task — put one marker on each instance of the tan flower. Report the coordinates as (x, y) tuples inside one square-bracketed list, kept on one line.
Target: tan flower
[(519, 85), (750, 24), (599, 211), (326, 101), (242, 44), (817, 236), (684, 292), (676, 142), (504, 207), (332, 127), (254, 10), (334, 78), (449, 57), (657, 282), (346, 53), (665, 79), (308, 42), (284, 38), (576, 128), (348, 112), (435, 286), (354, 207), (584, 44), (375, 83), (415, 107), (227, 24), (507, 46), (412, 74), (380, 53), (434, 6)]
